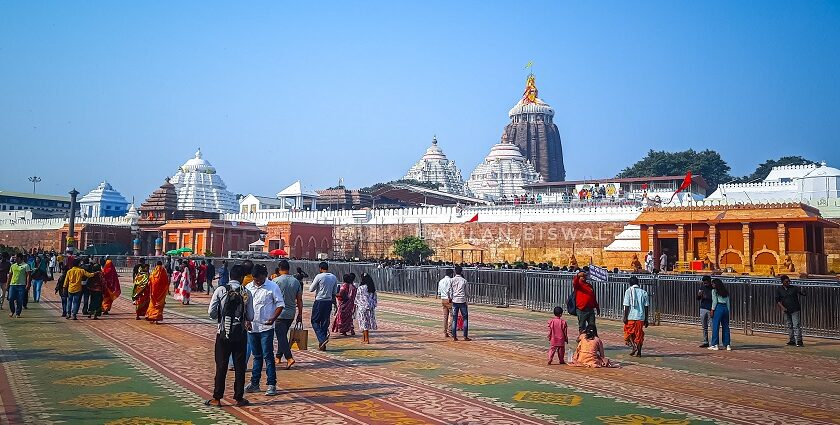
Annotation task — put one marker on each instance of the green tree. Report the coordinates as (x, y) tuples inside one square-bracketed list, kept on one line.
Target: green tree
[(412, 249), (764, 168), (706, 163)]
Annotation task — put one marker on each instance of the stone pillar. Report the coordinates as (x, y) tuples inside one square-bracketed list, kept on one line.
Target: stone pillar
[(713, 251), (782, 231), (652, 240), (71, 229), (136, 246), (681, 243), (745, 231)]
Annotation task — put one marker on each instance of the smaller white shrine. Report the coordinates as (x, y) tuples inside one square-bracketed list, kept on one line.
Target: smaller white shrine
[(503, 174), (434, 167), (103, 201)]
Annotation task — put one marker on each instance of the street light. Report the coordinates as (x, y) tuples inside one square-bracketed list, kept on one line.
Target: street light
[(34, 180)]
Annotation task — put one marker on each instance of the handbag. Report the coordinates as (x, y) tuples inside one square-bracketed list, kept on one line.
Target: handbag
[(299, 337)]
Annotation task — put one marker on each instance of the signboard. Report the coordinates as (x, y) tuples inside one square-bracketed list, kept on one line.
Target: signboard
[(597, 273)]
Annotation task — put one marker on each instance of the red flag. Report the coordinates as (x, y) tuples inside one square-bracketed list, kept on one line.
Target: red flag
[(474, 219), (685, 184), (644, 186)]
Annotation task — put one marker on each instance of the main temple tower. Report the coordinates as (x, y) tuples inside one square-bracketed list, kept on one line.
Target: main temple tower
[(532, 129)]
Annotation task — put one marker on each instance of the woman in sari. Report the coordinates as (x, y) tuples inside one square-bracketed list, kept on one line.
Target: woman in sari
[(140, 293), (346, 299), (158, 290), (182, 292), (110, 286), (366, 302), (590, 351)]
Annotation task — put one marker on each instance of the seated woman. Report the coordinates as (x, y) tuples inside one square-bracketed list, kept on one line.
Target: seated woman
[(590, 351)]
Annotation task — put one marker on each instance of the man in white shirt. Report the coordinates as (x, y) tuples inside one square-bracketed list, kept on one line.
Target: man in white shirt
[(457, 296), (443, 293), (268, 304), (636, 305), (663, 262), (325, 287)]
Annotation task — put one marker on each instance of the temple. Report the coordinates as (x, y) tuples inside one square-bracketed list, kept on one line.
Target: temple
[(201, 192), (436, 169), (503, 174), (103, 201), (532, 129)]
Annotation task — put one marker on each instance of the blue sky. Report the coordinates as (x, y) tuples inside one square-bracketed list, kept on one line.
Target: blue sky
[(276, 91)]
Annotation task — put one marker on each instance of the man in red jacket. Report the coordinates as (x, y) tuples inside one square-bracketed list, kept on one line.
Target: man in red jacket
[(585, 301)]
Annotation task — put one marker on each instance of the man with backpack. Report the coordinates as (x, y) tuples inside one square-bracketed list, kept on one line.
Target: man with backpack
[(232, 306)]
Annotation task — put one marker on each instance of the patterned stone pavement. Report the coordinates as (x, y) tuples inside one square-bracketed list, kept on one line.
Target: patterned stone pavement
[(122, 371)]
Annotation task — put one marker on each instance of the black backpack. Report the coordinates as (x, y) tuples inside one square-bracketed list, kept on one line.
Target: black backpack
[(571, 303), (232, 313)]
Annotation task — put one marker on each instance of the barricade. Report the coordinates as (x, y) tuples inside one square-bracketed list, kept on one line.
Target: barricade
[(673, 296)]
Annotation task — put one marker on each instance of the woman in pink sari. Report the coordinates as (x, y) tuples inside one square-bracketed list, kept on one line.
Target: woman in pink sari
[(110, 286), (590, 351), (346, 306)]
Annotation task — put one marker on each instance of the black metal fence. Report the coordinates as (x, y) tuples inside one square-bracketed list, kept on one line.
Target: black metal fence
[(673, 297)]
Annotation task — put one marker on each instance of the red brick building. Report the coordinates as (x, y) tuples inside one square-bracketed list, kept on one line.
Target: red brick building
[(299, 240)]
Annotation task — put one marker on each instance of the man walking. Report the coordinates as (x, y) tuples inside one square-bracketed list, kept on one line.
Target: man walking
[(325, 286), (73, 287), (787, 298), (649, 262), (457, 297), (293, 299), (585, 301), (19, 280), (704, 295), (5, 267), (636, 305), (443, 292), (268, 304), (233, 308), (211, 274), (663, 262)]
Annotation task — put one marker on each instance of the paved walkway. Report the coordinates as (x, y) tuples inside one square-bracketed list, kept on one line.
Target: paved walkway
[(122, 371)]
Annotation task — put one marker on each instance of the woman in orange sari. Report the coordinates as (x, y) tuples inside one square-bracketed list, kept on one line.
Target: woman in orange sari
[(110, 286), (590, 351), (158, 290)]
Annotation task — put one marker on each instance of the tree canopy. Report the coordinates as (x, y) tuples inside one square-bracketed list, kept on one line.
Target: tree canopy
[(412, 249), (428, 185), (706, 163), (764, 168)]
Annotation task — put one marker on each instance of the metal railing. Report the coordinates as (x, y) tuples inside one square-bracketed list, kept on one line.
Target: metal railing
[(673, 296)]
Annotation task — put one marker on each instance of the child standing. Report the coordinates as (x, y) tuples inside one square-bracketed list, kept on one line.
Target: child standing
[(557, 336)]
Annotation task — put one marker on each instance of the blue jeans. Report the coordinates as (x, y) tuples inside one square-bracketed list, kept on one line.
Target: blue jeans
[(17, 293), (462, 308), (85, 301), (75, 300), (36, 290), (720, 320), (65, 306), (262, 348), (320, 319)]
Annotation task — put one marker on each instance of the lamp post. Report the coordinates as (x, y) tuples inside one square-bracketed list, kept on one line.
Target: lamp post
[(34, 180)]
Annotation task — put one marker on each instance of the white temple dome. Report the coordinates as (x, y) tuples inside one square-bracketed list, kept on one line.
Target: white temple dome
[(503, 173), (537, 107), (199, 188), (434, 167)]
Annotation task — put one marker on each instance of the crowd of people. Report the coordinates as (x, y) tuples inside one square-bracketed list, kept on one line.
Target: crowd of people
[(252, 310)]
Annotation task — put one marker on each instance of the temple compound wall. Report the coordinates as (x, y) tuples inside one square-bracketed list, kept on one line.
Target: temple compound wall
[(491, 242)]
